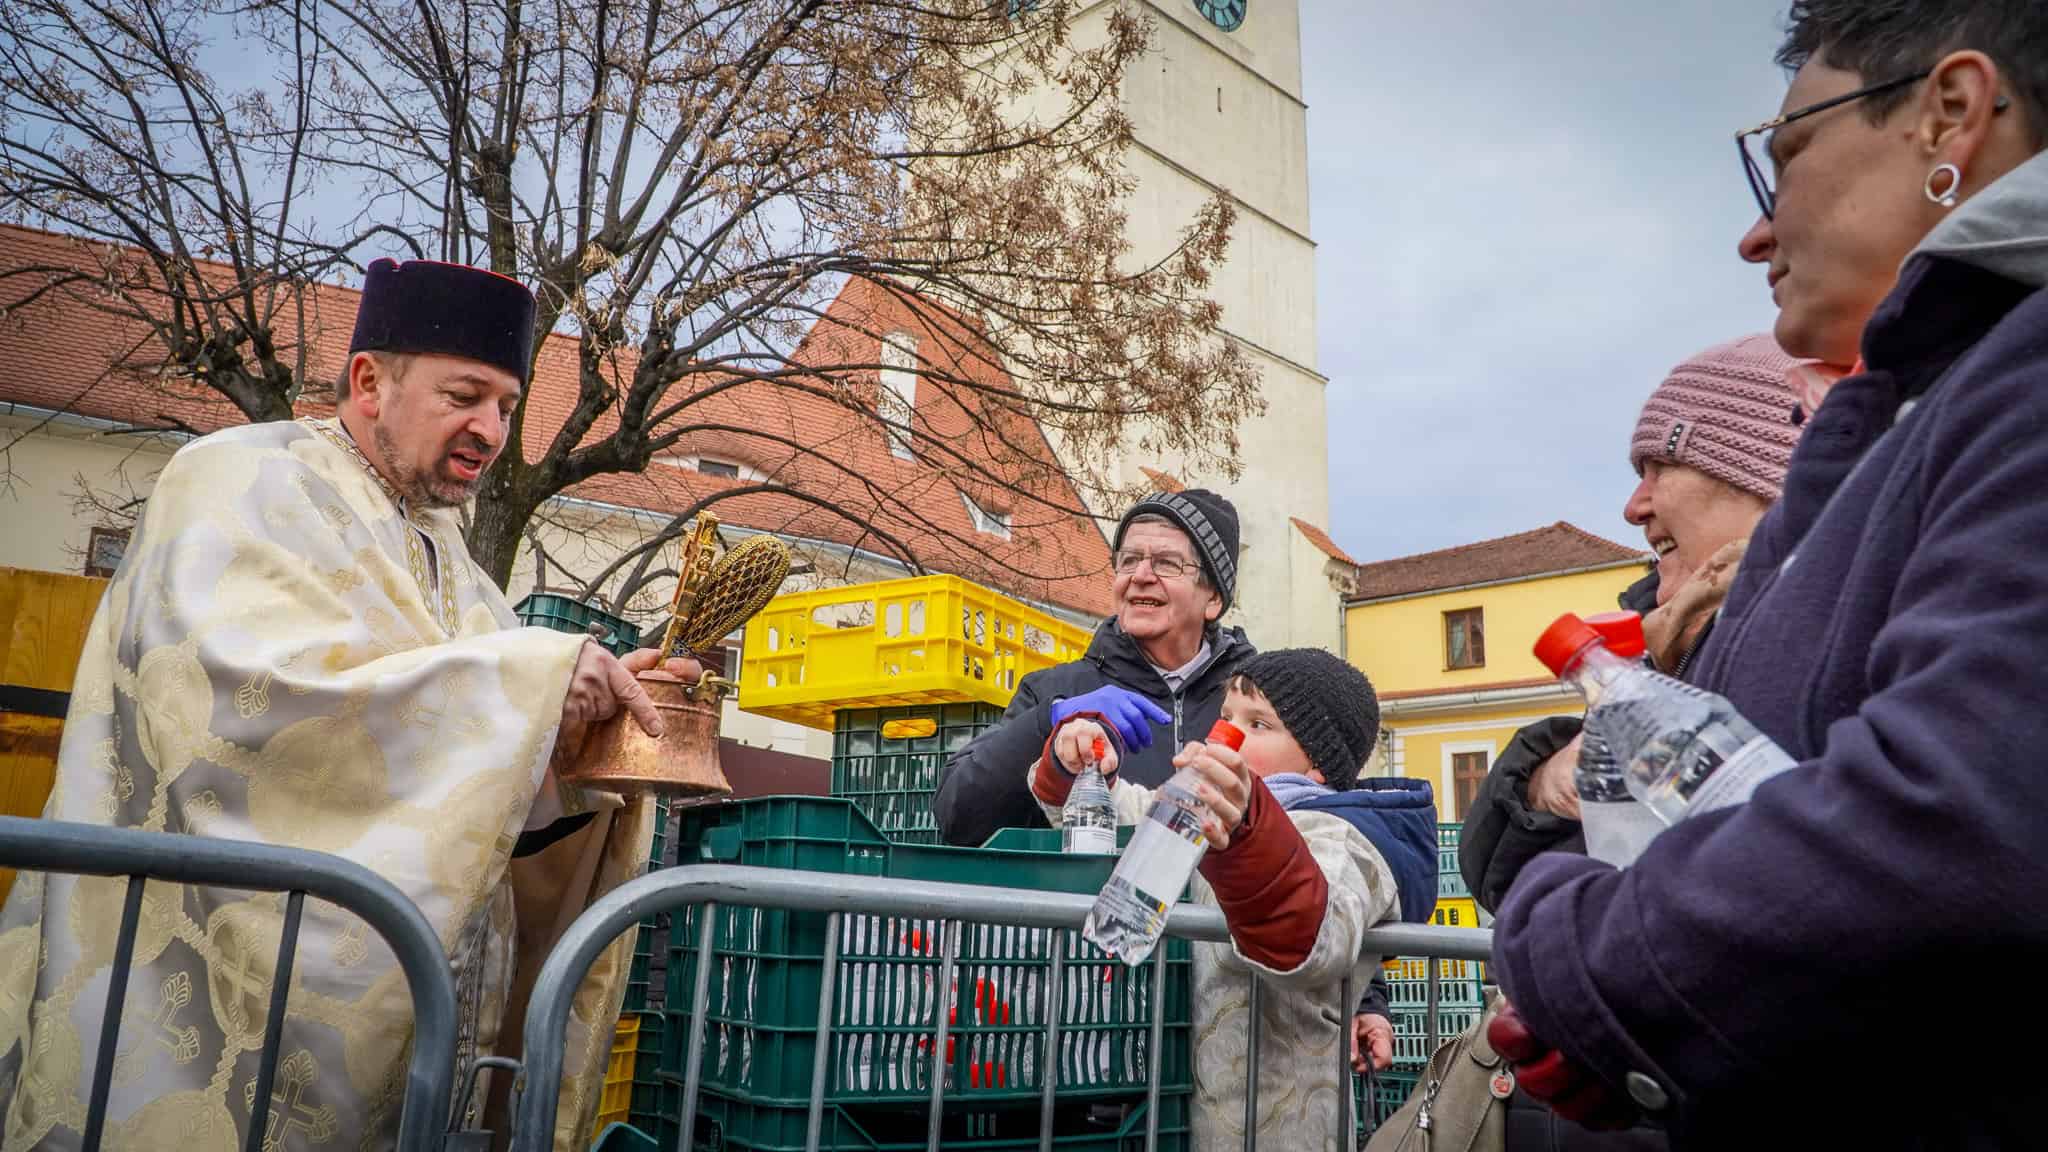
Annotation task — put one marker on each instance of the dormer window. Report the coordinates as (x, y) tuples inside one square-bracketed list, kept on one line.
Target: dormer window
[(988, 523), (896, 399), (711, 466)]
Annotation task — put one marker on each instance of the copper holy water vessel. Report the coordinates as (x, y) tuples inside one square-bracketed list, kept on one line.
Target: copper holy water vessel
[(682, 761), (710, 601)]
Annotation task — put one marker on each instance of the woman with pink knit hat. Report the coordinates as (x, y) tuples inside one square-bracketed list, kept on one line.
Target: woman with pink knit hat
[(1711, 447)]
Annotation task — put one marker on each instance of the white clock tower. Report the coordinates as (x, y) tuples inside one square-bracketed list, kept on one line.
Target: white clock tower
[(1217, 104)]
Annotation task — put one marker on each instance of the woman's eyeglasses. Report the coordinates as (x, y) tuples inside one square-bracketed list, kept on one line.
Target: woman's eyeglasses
[(1755, 144)]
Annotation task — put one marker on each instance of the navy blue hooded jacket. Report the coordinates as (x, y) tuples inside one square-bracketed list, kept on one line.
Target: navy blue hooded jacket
[(1399, 817)]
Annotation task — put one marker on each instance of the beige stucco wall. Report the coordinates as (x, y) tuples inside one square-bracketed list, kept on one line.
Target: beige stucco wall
[(1214, 111), (41, 525), (1222, 111), (1313, 620)]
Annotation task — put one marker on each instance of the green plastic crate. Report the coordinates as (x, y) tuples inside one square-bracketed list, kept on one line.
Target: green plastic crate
[(1447, 837), (728, 1121), (763, 991), (1414, 994), (1390, 1090), (618, 1137), (643, 988), (647, 1051), (546, 610), (1411, 1035), (894, 779)]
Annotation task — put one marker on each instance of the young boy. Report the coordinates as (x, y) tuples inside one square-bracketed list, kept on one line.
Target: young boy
[(1301, 861)]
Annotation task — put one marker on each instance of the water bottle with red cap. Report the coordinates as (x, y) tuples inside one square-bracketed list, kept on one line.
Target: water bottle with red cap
[(1130, 914), (1617, 825), (1682, 751), (1088, 821)]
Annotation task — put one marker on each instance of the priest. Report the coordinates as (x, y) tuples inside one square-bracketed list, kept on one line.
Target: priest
[(299, 650)]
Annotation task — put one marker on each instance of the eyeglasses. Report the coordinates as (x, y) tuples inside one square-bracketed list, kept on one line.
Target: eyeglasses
[(1755, 144), (1165, 565)]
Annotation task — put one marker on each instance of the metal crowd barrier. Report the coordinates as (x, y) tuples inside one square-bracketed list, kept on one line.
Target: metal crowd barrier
[(91, 850), (838, 896)]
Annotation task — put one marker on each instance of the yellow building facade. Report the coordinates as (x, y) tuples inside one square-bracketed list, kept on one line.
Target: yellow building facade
[(1446, 639)]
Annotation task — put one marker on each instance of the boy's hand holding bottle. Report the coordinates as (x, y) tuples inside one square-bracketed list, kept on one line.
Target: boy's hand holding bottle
[(1221, 780), (1222, 783)]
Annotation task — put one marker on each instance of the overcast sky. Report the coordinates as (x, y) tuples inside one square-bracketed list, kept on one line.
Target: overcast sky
[(1525, 214)]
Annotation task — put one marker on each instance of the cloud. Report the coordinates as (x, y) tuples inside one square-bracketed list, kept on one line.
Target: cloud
[(1525, 214)]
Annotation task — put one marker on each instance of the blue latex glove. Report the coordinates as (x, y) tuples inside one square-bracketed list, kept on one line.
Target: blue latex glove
[(1131, 714)]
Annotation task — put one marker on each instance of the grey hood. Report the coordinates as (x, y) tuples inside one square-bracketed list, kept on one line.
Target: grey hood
[(2003, 229)]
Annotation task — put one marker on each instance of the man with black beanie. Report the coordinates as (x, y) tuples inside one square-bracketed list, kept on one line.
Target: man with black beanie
[(1154, 673)]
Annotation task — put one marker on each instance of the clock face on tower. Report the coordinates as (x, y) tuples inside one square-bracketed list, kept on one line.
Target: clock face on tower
[(1225, 14)]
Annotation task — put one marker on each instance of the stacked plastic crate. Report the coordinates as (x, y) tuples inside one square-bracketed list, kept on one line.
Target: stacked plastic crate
[(888, 760), (1459, 997), (562, 614), (763, 991), (903, 673)]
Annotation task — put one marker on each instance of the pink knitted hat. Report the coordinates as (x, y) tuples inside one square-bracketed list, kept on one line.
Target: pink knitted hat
[(1727, 412)]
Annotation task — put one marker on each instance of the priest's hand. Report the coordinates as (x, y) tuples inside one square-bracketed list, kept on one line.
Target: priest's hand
[(600, 686), (681, 667)]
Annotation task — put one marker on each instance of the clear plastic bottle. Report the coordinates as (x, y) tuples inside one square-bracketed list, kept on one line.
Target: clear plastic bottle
[(1617, 825), (1088, 821), (1130, 914), (1685, 751)]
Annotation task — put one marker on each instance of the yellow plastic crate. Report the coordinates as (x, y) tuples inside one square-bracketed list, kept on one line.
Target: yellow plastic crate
[(1417, 968), (1456, 912), (921, 640), (617, 1102)]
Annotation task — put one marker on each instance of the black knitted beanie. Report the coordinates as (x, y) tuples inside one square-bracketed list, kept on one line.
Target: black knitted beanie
[(1328, 706)]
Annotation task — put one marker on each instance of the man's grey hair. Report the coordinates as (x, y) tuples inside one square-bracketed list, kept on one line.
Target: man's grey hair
[(1201, 570)]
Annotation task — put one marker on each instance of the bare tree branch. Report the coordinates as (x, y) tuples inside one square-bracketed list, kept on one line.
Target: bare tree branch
[(728, 210)]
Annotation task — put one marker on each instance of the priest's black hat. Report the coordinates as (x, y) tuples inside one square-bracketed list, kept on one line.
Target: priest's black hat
[(452, 309)]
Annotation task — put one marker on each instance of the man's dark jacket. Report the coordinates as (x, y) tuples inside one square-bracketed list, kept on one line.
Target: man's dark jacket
[(985, 786)]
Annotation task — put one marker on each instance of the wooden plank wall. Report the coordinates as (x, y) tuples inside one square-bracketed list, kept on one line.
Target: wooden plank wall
[(43, 620)]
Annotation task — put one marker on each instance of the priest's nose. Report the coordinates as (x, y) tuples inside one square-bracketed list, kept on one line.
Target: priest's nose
[(486, 433)]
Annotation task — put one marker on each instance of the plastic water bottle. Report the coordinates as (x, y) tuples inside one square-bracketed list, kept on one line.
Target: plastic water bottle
[(1618, 827), (1685, 751), (1088, 821), (1130, 914)]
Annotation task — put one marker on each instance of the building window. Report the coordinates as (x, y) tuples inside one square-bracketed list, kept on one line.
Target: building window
[(1468, 772), (104, 550), (1464, 639), (896, 400), (711, 466), (986, 522)]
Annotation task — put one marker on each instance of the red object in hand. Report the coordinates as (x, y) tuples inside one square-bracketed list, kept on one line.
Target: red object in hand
[(1098, 749), (1550, 1076), (1227, 734)]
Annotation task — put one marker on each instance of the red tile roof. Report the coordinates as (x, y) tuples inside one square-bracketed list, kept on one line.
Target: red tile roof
[(1467, 689), (826, 444), (1321, 539), (1545, 551), (1164, 481)]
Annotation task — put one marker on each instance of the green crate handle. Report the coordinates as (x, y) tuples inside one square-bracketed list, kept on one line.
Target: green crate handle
[(722, 844)]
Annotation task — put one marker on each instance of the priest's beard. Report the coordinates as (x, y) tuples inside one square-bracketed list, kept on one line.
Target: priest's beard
[(420, 489)]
